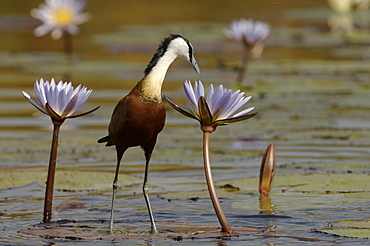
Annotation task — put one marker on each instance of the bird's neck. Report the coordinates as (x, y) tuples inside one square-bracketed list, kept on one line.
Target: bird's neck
[(151, 85)]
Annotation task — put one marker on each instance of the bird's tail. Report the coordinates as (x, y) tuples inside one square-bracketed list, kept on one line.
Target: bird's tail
[(104, 139)]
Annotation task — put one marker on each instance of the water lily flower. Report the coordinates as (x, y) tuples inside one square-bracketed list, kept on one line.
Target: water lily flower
[(341, 6), (251, 34), (216, 108), (59, 101), (340, 19), (59, 16), (248, 32)]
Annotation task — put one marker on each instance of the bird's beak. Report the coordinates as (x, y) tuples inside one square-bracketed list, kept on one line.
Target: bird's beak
[(195, 66)]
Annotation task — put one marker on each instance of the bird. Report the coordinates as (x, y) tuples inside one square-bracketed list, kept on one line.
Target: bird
[(140, 116)]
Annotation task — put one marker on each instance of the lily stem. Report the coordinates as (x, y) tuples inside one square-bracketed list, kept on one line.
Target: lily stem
[(68, 53), (68, 45), (244, 66), (48, 203), (211, 187)]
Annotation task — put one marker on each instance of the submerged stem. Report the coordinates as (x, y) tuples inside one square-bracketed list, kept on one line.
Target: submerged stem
[(211, 187), (48, 202)]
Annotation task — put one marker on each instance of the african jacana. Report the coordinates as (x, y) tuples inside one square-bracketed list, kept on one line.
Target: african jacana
[(140, 116)]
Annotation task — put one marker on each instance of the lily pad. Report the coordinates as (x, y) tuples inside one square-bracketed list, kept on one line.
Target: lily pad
[(199, 194), (176, 231), (355, 233), (352, 223), (65, 180), (305, 183), (349, 228), (317, 182)]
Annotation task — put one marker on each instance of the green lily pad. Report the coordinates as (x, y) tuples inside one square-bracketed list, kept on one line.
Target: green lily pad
[(65, 180), (352, 223), (176, 231), (349, 228), (199, 194), (317, 182), (355, 233), (306, 183)]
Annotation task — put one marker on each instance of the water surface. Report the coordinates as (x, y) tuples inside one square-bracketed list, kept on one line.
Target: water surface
[(310, 89)]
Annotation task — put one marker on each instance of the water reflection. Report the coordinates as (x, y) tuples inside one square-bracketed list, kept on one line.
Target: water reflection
[(266, 206)]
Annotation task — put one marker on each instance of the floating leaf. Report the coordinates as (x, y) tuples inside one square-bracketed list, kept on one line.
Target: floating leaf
[(96, 230), (349, 228), (355, 233), (65, 180), (317, 182), (352, 223), (199, 194)]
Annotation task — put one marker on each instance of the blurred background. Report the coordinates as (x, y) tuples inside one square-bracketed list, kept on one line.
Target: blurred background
[(311, 89), (122, 36)]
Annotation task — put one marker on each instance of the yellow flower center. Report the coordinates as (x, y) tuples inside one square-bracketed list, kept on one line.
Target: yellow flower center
[(63, 17)]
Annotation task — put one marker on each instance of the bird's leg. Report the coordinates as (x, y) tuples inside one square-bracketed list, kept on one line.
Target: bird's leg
[(153, 228), (115, 187)]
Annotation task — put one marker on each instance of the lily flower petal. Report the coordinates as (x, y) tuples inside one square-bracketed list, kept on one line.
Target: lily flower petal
[(234, 119), (216, 108), (204, 112), (216, 98), (245, 111), (221, 106), (189, 92), (238, 103), (180, 110), (248, 32), (69, 107), (33, 102), (199, 90), (59, 101)]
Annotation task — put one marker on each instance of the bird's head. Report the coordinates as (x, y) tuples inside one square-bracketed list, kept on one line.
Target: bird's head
[(174, 46), (183, 48)]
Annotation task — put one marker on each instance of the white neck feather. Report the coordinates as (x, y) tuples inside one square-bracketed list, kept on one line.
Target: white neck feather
[(151, 85)]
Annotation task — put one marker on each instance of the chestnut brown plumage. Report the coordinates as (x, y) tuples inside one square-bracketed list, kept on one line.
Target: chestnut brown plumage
[(140, 116)]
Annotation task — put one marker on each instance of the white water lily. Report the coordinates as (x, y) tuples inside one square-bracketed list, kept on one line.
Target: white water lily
[(248, 32), (218, 107), (251, 34), (222, 103), (59, 101), (60, 16)]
